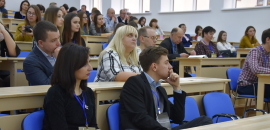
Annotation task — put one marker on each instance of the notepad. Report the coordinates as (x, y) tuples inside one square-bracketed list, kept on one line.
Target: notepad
[(197, 56)]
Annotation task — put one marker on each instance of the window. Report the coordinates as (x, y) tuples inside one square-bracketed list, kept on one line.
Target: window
[(90, 4), (133, 6), (189, 5), (245, 3)]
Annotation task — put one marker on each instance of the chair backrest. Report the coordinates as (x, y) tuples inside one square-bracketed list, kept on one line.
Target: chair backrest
[(191, 108), (104, 45), (113, 116), (233, 74), (33, 121), (92, 76), (23, 54), (218, 103)]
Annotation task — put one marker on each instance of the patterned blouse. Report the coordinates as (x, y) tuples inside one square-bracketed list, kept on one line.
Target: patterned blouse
[(202, 49), (110, 65)]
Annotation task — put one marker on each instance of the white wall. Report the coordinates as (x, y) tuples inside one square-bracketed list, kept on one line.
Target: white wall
[(15, 4), (234, 22)]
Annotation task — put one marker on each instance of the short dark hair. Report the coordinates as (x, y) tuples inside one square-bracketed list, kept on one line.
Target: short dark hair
[(151, 55), (83, 6), (132, 18), (265, 34), (22, 4), (197, 29), (174, 30), (133, 24), (41, 28), (140, 20), (41, 7), (96, 12), (66, 6), (153, 20), (117, 26), (207, 30), (181, 25), (72, 9), (143, 31), (71, 57)]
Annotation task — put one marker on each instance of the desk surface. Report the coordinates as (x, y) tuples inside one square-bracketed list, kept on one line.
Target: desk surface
[(251, 123)]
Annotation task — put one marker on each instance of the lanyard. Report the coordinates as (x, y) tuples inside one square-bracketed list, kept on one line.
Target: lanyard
[(82, 104), (265, 58), (209, 46), (74, 41), (158, 105)]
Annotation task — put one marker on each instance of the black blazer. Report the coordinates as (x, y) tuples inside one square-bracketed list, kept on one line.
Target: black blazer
[(120, 20), (18, 15), (137, 108), (166, 43)]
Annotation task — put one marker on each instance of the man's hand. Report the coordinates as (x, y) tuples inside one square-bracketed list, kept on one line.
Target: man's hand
[(193, 52), (173, 80), (184, 55), (56, 51)]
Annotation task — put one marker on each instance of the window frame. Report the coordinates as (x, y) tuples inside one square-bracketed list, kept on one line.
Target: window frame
[(194, 6), (140, 6)]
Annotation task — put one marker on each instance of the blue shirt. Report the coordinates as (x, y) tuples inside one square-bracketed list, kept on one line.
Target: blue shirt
[(110, 24), (51, 59)]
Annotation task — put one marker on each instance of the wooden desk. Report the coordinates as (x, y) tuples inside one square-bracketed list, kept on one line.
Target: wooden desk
[(235, 44), (242, 51), (159, 41), (112, 90), (250, 123), (262, 80), (220, 65), (13, 23), (94, 62), (189, 49), (94, 39), (95, 48), (194, 43), (24, 46), (167, 32)]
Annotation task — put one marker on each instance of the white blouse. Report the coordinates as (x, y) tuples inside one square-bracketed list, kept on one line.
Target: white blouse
[(226, 46)]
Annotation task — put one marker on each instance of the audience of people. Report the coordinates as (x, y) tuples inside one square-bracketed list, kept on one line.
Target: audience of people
[(3, 9)]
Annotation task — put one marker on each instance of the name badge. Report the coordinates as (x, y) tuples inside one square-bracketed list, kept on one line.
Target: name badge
[(213, 55), (89, 128)]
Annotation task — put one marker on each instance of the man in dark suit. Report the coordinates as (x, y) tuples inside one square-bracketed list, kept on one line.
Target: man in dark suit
[(38, 65), (123, 18), (186, 40), (175, 48), (143, 101)]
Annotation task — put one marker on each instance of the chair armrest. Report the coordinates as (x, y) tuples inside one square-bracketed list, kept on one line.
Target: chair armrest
[(232, 116), (253, 109)]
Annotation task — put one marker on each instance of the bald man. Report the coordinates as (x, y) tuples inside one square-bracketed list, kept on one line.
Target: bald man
[(176, 48), (110, 19)]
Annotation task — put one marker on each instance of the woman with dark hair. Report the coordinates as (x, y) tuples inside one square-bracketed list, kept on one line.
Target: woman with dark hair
[(115, 29), (84, 23), (249, 40), (222, 42), (98, 27), (154, 24), (66, 7), (71, 31), (70, 103), (23, 10), (141, 22), (63, 10), (24, 30), (2, 9), (198, 31)]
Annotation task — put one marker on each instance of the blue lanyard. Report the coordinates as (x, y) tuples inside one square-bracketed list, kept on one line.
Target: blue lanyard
[(209, 46), (74, 41), (157, 101), (82, 104), (265, 58), (23, 17)]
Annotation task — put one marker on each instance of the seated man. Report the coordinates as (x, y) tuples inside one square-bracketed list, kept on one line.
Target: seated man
[(257, 62), (175, 48), (143, 101), (146, 37), (38, 65), (186, 40)]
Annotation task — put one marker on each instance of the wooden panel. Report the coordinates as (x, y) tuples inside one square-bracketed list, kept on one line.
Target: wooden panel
[(12, 122), (95, 48)]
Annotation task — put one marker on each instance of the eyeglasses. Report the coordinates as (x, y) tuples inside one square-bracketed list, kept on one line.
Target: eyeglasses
[(153, 37), (29, 13)]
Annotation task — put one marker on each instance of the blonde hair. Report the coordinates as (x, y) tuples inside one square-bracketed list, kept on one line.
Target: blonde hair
[(117, 45)]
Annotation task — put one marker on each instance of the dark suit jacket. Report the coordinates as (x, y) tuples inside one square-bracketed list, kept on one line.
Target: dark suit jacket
[(18, 15), (137, 108), (185, 42), (120, 20), (166, 43), (38, 70)]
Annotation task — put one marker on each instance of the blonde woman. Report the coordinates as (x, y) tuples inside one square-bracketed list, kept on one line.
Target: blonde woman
[(119, 60), (83, 23)]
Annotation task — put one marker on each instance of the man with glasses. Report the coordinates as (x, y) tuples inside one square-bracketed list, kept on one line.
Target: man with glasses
[(146, 37), (83, 9), (110, 19), (175, 48), (123, 18)]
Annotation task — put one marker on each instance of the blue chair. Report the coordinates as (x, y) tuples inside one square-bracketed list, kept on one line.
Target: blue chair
[(92, 76), (104, 45), (24, 54), (33, 121), (113, 117), (218, 103), (3, 115), (193, 75)]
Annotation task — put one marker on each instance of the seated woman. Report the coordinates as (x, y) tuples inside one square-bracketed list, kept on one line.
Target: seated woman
[(119, 60), (84, 23), (141, 22), (198, 31), (223, 44), (7, 48), (23, 10), (115, 29), (154, 24), (98, 27), (2, 9), (24, 30), (63, 101), (249, 40), (63, 10), (206, 46), (71, 31)]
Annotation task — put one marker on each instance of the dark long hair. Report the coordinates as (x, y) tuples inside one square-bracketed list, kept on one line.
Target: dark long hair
[(140, 20), (22, 4), (71, 58), (96, 27), (249, 27), (66, 35), (153, 20), (219, 39)]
